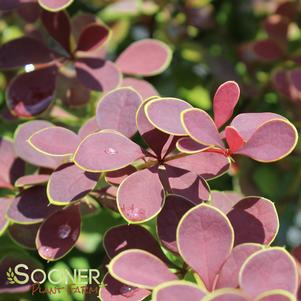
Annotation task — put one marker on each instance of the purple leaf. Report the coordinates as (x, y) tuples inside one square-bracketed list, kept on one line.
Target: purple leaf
[(92, 37), (178, 291), (272, 141), (158, 141), (268, 269), (30, 11), (31, 206), (224, 102), (187, 184), (33, 52), (106, 151), (11, 167), (201, 128), (58, 27), (228, 276), (277, 27), (126, 237), (80, 21), (189, 146), (55, 5), (116, 177), (89, 127), (123, 267), (254, 219), (144, 88), (28, 153), (5, 203), (30, 94), (24, 235), (140, 196), (268, 50), (205, 239), (69, 183), (97, 74), (165, 115), (146, 57), (59, 233), (225, 200), (114, 290), (55, 141), (168, 219), (117, 111), (205, 164), (31, 180)]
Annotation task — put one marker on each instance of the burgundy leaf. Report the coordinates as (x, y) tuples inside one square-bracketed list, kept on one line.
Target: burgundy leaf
[(117, 111), (178, 291), (146, 57), (114, 290), (168, 219), (59, 233), (144, 88), (205, 239), (25, 151), (201, 128), (9, 4), (106, 151), (55, 141), (140, 196), (58, 27), (92, 37), (24, 235), (69, 183), (126, 237), (205, 164), (123, 267), (272, 141), (30, 11), (80, 21), (165, 115), (254, 219), (11, 167), (33, 52), (55, 5), (228, 276), (97, 74), (267, 50), (31, 206), (224, 102), (277, 27), (31, 180), (268, 269), (30, 94)]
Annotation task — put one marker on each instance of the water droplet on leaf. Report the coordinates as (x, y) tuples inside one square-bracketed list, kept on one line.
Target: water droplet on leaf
[(127, 291), (111, 151), (64, 231)]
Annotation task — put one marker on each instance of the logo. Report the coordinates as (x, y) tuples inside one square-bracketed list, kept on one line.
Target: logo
[(84, 281)]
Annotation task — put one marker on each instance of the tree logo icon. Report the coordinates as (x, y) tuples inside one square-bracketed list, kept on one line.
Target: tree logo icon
[(10, 275)]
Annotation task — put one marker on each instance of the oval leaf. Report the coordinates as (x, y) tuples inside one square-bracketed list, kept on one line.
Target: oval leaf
[(55, 5), (133, 59), (254, 219), (117, 111), (31, 180), (276, 295), (106, 151), (144, 88), (30, 94), (55, 141), (140, 196), (89, 127), (205, 256), (69, 183), (165, 115), (24, 235), (268, 269), (59, 233), (224, 102), (123, 268), (189, 146)]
